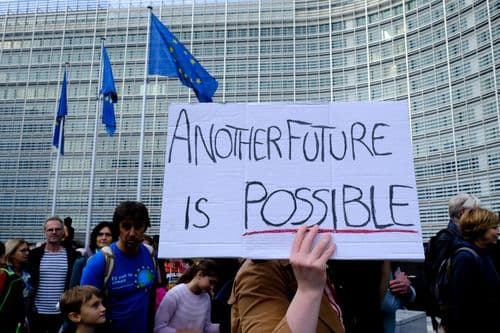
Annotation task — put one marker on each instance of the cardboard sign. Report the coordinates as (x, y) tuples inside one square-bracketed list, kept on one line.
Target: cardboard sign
[(241, 178)]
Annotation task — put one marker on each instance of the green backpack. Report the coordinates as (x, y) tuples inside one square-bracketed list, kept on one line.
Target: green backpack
[(11, 300)]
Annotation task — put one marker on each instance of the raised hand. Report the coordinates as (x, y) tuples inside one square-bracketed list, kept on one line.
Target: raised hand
[(309, 266)]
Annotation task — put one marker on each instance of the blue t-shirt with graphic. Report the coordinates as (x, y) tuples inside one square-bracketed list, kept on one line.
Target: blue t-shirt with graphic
[(129, 287)]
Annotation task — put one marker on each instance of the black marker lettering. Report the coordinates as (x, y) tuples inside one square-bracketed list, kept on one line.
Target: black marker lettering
[(182, 113), (202, 212), (209, 151), (297, 195), (392, 203), (358, 138), (378, 138), (357, 200)]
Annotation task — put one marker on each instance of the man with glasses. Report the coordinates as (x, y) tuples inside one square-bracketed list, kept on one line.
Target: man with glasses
[(50, 267), (129, 289)]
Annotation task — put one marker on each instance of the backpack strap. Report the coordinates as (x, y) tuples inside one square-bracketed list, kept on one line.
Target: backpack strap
[(463, 248), (109, 263), (8, 280), (468, 249)]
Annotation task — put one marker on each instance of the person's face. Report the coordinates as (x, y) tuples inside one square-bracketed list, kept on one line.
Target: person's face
[(20, 256), (104, 237), (54, 232), (490, 237), (206, 282), (131, 234), (92, 312)]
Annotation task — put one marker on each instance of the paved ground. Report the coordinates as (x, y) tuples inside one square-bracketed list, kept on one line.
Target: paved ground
[(429, 325), (413, 322)]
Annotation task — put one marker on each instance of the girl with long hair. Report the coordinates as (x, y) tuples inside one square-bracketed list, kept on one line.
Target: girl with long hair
[(187, 306)]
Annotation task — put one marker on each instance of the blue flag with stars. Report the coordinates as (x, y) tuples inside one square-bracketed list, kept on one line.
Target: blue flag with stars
[(168, 57), (108, 93), (62, 111)]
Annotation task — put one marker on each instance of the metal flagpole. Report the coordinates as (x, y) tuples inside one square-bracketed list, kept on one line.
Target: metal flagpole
[(94, 143), (58, 158), (143, 115)]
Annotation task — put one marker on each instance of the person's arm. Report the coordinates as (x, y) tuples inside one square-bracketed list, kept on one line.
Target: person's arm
[(93, 272), (309, 266), (209, 326), (263, 291), (164, 313), (76, 273)]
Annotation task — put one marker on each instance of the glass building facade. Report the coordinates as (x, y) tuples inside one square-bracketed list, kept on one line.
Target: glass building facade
[(442, 56)]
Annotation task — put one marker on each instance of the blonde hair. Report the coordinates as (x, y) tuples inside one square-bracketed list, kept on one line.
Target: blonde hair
[(11, 246), (475, 222)]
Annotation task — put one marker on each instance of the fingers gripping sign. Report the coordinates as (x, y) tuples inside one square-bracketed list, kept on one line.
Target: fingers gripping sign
[(308, 261)]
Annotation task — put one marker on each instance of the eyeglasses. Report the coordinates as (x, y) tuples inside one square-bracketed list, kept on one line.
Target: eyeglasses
[(53, 230), (107, 234)]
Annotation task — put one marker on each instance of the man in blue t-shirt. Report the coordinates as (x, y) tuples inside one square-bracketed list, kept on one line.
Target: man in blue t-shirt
[(129, 289)]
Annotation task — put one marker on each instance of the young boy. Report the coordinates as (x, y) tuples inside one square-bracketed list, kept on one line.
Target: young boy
[(83, 309)]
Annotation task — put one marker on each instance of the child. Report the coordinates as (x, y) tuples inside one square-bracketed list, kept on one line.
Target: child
[(187, 305), (82, 307)]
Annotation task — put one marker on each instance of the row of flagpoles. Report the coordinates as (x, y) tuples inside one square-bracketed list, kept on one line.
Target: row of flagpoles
[(165, 56)]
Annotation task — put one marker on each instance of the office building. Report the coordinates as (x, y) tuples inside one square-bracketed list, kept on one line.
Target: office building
[(443, 56)]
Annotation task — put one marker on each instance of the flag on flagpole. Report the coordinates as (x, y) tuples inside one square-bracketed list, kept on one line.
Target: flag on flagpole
[(108, 93), (62, 111), (168, 57)]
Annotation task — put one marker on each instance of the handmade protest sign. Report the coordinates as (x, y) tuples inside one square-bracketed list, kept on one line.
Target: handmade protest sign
[(241, 178)]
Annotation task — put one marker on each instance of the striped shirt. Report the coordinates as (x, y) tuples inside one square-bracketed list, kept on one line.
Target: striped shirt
[(53, 270)]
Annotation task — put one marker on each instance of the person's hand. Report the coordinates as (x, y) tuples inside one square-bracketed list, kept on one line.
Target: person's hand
[(308, 261), (400, 286), (309, 266)]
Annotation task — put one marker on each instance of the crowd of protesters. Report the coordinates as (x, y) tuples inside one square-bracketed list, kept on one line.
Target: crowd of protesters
[(119, 285)]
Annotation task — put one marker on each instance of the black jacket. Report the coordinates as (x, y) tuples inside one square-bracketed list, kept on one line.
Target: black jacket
[(35, 257), (474, 291)]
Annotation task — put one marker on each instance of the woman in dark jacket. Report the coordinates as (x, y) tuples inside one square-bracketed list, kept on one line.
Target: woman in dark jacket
[(474, 283)]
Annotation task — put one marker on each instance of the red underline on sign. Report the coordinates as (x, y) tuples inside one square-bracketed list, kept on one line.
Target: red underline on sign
[(321, 231)]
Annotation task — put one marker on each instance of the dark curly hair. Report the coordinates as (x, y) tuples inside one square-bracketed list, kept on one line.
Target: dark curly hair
[(95, 232), (134, 211)]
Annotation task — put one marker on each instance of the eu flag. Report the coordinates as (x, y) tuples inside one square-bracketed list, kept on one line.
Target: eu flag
[(168, 57), (62, 111), (108, 93)]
